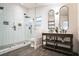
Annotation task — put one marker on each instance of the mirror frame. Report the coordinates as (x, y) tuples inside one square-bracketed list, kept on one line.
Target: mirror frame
[(60, 15)]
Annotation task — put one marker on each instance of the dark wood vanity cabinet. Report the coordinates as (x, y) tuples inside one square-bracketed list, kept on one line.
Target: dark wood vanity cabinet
[(58, 42)]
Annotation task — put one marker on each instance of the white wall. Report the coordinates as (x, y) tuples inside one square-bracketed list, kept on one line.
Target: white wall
[(13, 13), (73, 25), (78, 25)]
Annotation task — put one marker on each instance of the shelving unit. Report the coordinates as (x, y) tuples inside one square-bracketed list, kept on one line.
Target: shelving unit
[(51, 25), (51, 20), (62, 43)]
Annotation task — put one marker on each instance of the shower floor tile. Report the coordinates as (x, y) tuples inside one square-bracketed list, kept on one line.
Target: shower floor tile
[(5, 46)]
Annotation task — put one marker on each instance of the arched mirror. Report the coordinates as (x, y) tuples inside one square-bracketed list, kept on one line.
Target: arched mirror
[(64, 19), (51, 20)]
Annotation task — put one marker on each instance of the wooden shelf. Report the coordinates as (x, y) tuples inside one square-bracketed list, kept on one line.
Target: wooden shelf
[(58, 41), (50, 28), (51, 21), (51, 24), (60, 50), (65, 42)]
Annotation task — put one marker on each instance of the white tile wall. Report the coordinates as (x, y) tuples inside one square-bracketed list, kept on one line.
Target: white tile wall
[(13, 13)]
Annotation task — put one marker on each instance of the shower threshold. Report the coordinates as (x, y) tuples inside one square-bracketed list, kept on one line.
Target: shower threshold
[(11, 47)]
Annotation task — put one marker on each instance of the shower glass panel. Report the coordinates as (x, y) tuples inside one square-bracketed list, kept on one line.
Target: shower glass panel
[(28, 28), (13, 31)]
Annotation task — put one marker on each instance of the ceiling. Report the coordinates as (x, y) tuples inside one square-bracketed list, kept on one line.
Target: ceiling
[(33, 5)]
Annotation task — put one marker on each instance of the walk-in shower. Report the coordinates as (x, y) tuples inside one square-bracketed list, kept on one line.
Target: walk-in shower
[(15, 28), (10, 40)]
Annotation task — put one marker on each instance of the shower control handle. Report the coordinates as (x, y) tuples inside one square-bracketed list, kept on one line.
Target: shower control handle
[(14, 28)]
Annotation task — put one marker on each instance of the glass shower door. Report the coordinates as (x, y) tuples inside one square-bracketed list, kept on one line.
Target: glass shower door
[(28, 28)]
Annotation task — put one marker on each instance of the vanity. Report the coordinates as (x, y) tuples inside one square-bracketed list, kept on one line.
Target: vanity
[(62, 43), (57, 38)]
